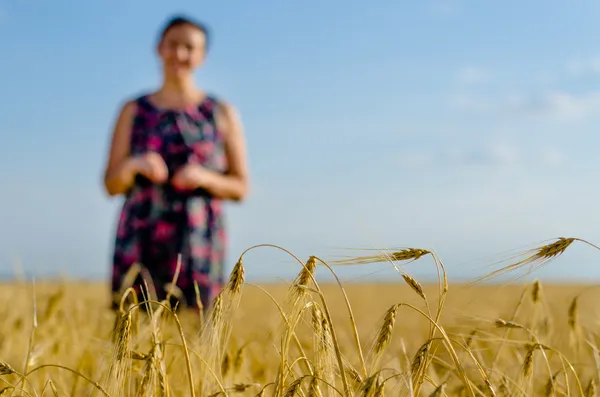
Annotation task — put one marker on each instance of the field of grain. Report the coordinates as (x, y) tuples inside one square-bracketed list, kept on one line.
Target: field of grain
[(307, 339)]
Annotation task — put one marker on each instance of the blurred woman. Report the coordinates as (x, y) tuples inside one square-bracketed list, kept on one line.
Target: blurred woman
[(176, 154)]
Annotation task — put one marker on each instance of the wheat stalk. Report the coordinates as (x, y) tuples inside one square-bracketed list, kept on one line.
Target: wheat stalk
[(385, 332), (135, 355), (236, 279), (535, 258), (591, 389), (408, 254)]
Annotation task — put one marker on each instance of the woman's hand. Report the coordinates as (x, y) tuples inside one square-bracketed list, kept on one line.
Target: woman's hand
[(190, 177), (152, 166)]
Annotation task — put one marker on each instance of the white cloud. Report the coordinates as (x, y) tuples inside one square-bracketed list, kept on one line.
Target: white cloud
[(504, 153), (552, 156), (472, 75), (494, 154), (554, 104), (580, 67), (567, 105)]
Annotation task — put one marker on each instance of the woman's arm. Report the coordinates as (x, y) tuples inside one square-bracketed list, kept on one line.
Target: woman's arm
[(234, 184), (120, 168)]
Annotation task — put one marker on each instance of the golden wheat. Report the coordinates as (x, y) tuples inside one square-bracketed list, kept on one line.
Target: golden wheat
[(476, 340)]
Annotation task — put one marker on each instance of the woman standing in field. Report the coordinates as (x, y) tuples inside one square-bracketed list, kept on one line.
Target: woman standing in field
[(175, 155)]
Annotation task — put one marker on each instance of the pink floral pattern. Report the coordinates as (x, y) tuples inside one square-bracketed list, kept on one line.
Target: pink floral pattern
[(157, 222)]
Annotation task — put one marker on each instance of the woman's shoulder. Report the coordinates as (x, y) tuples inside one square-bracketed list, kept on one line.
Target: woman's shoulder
[(227, 118), (130, 103), (222, 109), (221, 105)]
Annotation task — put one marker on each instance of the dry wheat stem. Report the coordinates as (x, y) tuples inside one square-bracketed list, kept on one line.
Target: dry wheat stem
[(298, 360), (350, 314), (212, 341), (294, 388), (482, 371), (443, 290), (513, 325), (354, 377), (237, 388), (551, 385), (325, 308), (175, 277), (595, 355), (305, 276), (204, 363), (564, 361), (573, 310), (574, 326), (536, 291), (149, 289), (527, 369), (507, 332), (379, 391), (439, 391), (6, 369), (52, 387), (185, 347), (234, 288), (418, 289), (285, 340), (313, 389), (408, 254), (449, 367), (406, 379), (415, 285), (448, 344), (309, 368), (591, 389), (370, 384), (422, 353), (430, 368), (79, 374), (199, 304), (537, 257), (129, 277), (323, 346), (264, 388), (236, 278), (385, 333), (34, 327), (285, 319), (298, 300)]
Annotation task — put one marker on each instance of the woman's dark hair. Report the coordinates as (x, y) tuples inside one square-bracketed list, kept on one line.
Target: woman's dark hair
[(179, 20)]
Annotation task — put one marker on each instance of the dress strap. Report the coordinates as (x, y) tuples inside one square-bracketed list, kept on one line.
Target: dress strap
[(208, 107), (144, 103)]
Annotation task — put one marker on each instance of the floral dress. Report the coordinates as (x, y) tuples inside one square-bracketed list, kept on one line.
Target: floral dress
[(157, 222)]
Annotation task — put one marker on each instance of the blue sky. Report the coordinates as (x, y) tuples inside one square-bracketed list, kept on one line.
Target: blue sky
[(468, 127)]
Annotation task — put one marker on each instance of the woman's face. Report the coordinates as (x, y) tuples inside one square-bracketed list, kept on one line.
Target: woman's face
[(182, 50)]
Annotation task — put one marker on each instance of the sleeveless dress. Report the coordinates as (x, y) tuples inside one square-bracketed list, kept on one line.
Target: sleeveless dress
[(158, 222)]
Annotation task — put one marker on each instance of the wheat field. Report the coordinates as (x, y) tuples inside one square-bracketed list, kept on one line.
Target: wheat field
[(58, 338)]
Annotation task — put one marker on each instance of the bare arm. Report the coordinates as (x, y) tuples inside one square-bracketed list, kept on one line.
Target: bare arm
[(120, 167), (234, 184)]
